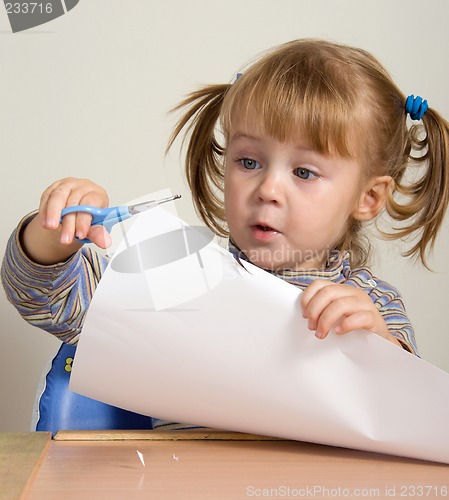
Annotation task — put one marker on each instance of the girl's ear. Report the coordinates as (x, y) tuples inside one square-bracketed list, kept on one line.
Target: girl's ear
[(373, 198)]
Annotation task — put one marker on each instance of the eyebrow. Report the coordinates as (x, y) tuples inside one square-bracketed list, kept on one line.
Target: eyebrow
[(242, 135)]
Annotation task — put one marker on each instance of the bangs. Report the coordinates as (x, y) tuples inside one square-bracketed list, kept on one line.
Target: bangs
[(297, 98)]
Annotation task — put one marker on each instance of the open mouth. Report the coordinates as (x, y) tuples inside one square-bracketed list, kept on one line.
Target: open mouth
[(263, 232)]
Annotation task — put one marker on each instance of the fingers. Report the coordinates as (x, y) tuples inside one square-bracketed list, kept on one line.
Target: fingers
[(310, 293), (69, 192), (362, 320), (327, 305), (99, 236), (357, 320)]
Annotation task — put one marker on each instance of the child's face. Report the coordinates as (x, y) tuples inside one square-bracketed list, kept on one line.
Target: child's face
[(286, 206)]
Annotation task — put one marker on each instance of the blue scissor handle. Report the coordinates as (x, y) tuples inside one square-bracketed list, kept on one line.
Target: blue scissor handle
[(107, 217)]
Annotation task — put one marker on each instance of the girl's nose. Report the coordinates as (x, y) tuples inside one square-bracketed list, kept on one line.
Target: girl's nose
[(270, 187)]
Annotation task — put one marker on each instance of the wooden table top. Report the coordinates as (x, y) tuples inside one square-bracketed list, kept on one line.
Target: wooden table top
[(207, 465)]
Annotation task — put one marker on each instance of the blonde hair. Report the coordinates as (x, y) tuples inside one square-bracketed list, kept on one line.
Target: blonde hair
[(341, 100)]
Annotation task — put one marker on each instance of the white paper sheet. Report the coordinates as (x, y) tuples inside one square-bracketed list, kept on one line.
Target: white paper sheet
[(232, 351)]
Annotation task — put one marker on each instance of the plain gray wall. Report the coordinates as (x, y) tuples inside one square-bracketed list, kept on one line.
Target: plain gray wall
[(87, 95)]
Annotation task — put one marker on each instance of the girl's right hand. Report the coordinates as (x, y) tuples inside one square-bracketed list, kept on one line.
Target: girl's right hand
[(46, 239), (66, 193)]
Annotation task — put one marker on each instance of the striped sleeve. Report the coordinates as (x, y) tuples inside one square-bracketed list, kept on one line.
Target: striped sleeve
[(392, 308), (54, 298), (390, 304)]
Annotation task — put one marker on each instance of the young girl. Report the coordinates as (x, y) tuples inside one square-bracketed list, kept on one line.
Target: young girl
[(289, 161)]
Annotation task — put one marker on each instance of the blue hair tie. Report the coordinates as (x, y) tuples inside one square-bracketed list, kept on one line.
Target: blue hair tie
[(416, 107)]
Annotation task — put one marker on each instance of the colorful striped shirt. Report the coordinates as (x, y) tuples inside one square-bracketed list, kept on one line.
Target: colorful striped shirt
[(55, 298)]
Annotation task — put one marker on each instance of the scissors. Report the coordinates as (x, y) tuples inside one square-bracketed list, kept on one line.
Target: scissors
[(108, 217)]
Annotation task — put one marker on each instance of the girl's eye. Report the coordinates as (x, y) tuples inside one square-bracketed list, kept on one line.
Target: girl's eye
[(304, 173), (249, 164)]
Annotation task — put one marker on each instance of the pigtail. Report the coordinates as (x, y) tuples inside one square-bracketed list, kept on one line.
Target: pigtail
[(204, 155), (427, 196)]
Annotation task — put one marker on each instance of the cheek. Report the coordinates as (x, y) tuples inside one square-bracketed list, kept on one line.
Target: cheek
[(227, 180), (232, 189), (345, 194), (234, 205), (230, 200), (328, 212), (227, 192)]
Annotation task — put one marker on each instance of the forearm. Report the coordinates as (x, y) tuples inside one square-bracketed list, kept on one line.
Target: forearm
[(405, 337), (43, 246), (390, 305), (399, 325), (54, 297)]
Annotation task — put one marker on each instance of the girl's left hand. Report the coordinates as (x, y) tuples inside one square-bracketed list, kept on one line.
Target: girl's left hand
[(342, 307)]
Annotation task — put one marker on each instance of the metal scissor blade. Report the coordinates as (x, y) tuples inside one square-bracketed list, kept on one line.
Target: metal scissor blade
[(148, 205)]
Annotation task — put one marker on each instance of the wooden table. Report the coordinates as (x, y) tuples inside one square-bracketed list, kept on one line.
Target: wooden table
[(202, 465)]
